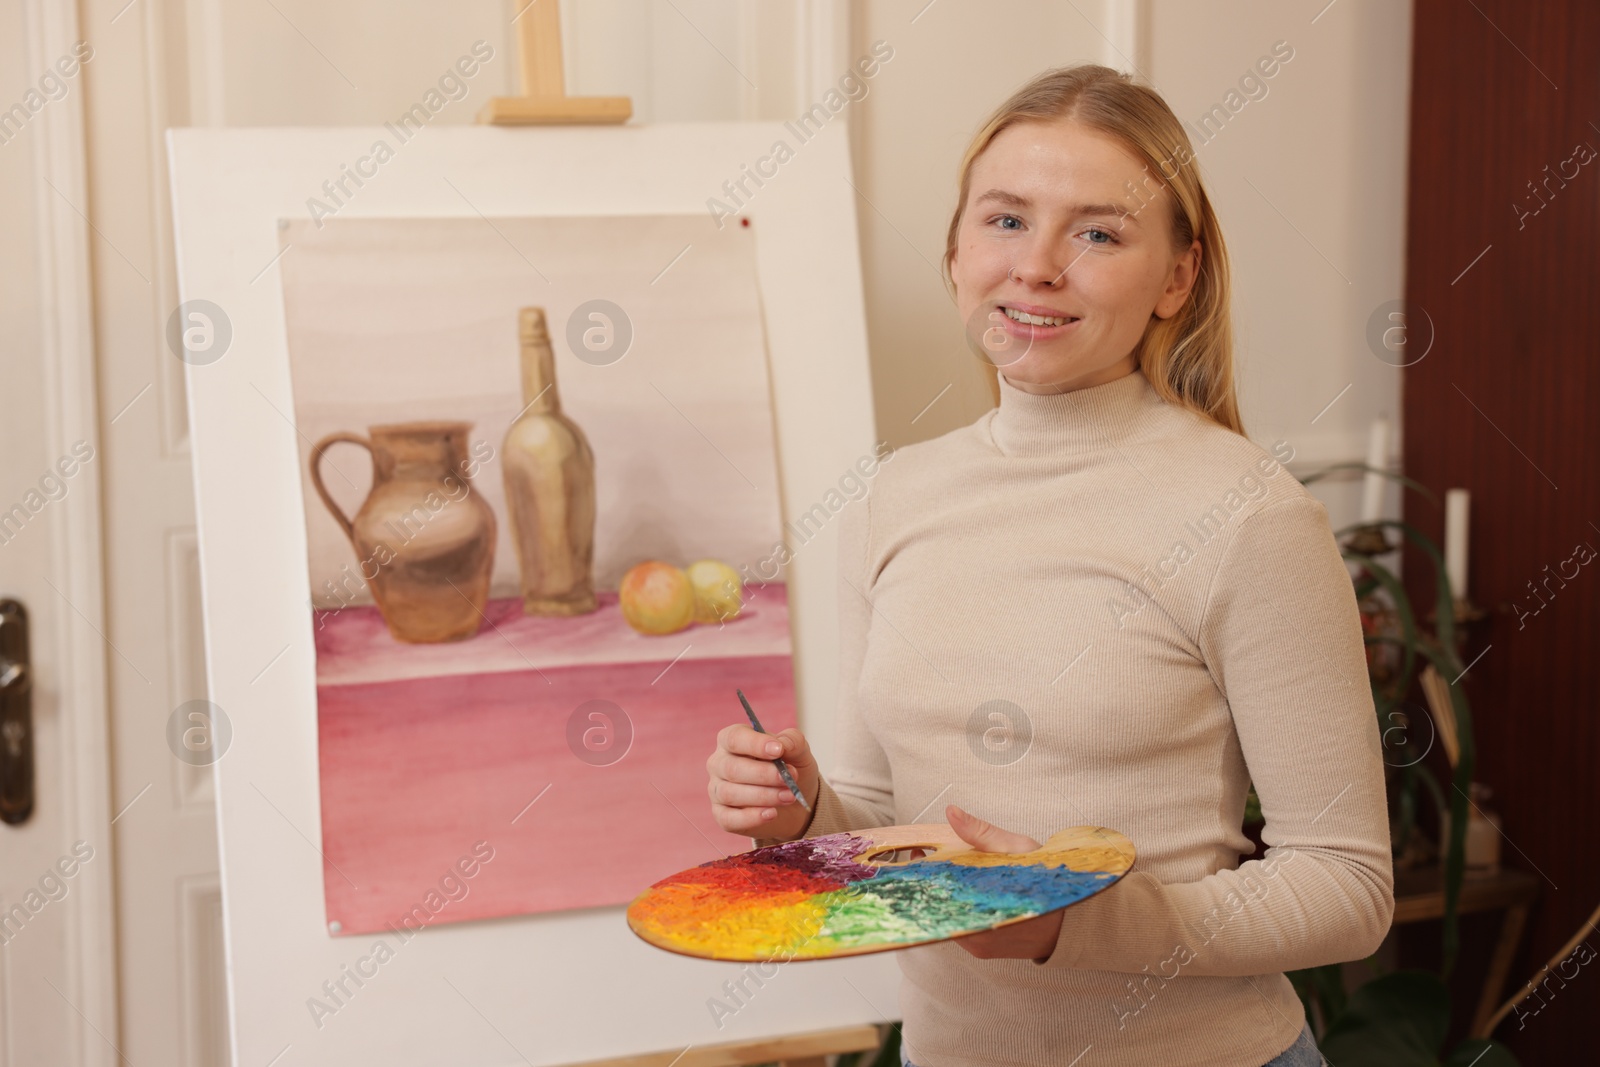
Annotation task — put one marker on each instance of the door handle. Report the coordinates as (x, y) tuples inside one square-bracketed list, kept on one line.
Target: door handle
[(16, 715)]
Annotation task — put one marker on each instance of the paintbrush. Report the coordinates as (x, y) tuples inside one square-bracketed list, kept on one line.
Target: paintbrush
[(788, 779)]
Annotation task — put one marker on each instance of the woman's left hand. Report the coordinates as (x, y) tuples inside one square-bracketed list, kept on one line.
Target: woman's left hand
[(1034, 939)]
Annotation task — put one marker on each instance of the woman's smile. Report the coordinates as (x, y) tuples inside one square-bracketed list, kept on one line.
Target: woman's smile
[(1030, 322)]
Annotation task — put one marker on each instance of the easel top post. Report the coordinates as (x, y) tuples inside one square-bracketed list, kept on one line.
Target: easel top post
[(539, 61), (544, 100)]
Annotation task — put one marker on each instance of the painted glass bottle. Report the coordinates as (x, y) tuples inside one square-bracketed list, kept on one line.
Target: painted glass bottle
[(549, 479)]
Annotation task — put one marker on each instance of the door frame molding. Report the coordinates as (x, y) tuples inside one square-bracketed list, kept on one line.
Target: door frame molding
[(72, 414)]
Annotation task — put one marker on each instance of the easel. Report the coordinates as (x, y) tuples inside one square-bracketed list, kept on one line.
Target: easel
[(544, 103), (544, 100)]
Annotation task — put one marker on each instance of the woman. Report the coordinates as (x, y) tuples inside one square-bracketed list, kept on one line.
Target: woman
[(1101, 604)]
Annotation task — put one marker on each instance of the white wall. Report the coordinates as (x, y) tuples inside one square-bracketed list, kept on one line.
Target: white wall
[(1310, 185), (953, 64), (1326, 148)]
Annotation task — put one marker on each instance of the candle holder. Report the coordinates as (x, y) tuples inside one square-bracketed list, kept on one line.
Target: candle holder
[(1370, 540), (1464, 612)]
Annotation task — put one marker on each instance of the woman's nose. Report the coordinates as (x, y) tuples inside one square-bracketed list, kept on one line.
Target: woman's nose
[(1039, 266)]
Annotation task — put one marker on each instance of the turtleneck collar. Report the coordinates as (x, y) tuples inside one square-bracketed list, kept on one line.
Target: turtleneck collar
[(1083, 420)]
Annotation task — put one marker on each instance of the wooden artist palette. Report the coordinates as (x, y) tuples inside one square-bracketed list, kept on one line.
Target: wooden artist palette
[(852, 893)]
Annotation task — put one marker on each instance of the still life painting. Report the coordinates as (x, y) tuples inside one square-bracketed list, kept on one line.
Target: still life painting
[(538, 465)]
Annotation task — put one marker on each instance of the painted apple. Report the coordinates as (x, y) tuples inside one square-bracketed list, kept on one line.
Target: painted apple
[(717, 592), (656, 598)]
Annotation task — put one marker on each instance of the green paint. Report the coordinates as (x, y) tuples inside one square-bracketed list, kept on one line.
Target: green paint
[(908, 910), (857, 918)]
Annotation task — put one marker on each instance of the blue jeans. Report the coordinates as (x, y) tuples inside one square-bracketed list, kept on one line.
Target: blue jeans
[(1303, 1053)]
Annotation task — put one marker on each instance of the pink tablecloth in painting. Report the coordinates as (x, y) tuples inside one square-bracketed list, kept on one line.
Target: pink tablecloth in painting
[(428, 750)]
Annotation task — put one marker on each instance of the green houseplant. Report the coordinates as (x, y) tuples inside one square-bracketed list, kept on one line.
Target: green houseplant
[(1400, 1019)]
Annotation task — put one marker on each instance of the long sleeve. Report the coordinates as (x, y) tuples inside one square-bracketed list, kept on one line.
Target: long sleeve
[(859, 792), (1281, 637)]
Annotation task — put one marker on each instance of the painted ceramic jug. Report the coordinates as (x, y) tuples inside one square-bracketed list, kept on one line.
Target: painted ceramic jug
[(423, 538)]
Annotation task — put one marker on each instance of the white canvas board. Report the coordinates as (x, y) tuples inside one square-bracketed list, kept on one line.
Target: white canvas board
[(547, 989)]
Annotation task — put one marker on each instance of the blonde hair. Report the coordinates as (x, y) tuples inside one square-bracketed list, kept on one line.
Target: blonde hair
[(1188, 357)]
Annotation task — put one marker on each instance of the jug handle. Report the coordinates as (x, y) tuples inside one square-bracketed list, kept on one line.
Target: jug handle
[(316, 474)]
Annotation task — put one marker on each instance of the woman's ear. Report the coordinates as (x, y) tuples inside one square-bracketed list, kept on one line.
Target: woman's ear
[(953, 257), (1179, 282)]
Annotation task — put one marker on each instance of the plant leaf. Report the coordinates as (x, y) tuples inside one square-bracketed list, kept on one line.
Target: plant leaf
[(1398, 1020), (889, 1051), (1455, 852), (1445, 618), (1441, 652), (1315, 476), (1480, 1053), (1402, 607), (1407, 799)]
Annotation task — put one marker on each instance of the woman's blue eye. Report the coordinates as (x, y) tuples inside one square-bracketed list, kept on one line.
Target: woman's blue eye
[(1099, 236)]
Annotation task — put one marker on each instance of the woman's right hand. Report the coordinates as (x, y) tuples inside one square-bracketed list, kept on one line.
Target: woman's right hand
[(747, 792)]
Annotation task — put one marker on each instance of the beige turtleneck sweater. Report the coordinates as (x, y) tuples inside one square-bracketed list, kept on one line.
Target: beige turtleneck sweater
[(1163, 611)]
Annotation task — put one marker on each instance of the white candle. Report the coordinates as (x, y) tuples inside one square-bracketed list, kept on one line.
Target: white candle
[(1455, 539), (1373, 484)]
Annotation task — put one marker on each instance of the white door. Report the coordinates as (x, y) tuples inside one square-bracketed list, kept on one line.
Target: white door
[(101, 553), (57, 991), (171, 975)]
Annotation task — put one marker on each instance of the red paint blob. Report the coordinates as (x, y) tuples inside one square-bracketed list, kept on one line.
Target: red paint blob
[(757, 881)]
